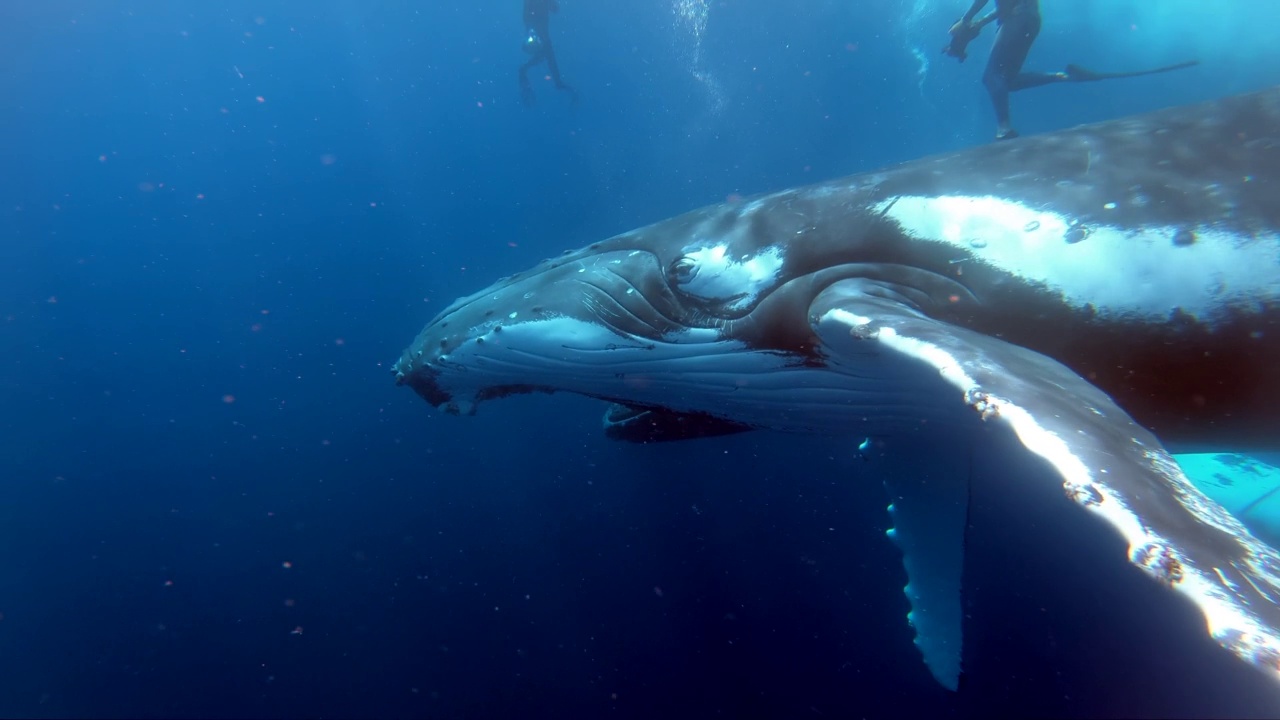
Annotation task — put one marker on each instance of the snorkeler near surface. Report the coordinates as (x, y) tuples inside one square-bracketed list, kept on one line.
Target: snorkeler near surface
[(1019, 22), (537, 22)]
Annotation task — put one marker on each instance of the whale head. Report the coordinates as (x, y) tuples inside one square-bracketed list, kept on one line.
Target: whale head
[(691, 314)]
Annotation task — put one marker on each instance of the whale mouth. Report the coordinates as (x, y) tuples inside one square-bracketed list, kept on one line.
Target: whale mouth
[(425, 382)]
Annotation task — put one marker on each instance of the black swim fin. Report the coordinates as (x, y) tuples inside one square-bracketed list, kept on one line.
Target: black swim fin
[(1075, 73)]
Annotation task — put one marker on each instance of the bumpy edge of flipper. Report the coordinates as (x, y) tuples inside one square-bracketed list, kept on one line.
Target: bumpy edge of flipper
[(929, 518)]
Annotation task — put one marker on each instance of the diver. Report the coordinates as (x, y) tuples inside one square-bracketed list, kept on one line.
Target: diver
[(1019, 22), (537, 22)]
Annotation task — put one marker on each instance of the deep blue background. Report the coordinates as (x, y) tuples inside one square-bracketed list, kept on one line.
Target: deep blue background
[(220, 221)]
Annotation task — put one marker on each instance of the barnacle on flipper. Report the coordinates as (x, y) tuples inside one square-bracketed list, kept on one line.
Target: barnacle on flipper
[(1160, 562), (1085, 494)]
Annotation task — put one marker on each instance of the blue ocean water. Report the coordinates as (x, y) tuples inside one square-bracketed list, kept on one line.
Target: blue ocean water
[(220, 222)]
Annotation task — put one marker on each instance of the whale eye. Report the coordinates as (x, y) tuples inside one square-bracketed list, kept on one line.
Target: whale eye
[(683, 270)]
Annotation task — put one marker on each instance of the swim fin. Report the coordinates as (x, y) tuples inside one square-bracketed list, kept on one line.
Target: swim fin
[(1075, 73)]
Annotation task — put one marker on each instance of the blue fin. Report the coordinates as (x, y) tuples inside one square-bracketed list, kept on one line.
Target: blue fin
[(1246, 486)]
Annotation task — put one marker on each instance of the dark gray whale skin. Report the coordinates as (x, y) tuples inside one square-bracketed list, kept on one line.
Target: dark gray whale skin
[(1187, 170)]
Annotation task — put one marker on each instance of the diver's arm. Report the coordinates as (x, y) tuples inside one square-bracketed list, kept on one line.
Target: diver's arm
[(970, 27), (974, 9), (984, 21)]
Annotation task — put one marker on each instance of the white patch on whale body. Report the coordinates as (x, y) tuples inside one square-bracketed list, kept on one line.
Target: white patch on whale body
[(713, 275), (1147, 271)]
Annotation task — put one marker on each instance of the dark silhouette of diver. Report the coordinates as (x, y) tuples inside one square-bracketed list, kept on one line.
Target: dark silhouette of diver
[(537, 22), (1019, 22)]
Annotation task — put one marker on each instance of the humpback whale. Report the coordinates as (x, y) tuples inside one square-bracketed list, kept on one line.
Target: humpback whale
[(1100, 298)]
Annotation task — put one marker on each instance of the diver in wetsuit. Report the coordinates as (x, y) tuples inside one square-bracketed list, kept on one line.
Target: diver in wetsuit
[(1019, 25), (1019, 22), (537, 22)]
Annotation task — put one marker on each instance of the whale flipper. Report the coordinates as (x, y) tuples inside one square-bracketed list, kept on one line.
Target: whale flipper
[(635, 424), (1107, 463), (930, 511)]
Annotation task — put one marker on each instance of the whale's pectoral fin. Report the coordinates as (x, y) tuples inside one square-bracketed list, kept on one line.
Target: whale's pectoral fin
[(632, 423), (1107, 463), (930, 510)]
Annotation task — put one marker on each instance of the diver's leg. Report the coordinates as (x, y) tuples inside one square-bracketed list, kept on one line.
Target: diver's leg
[(996, 79), (1004, 70), (526, 90), (553, 69), (1028, 80), (1027, 28)]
